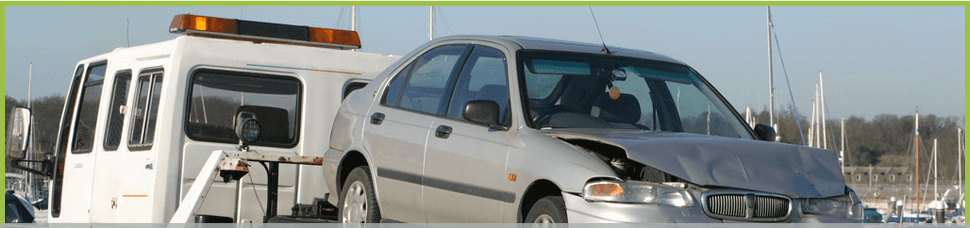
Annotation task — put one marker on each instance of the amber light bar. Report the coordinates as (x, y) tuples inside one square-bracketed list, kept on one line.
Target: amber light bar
[(263, 32)]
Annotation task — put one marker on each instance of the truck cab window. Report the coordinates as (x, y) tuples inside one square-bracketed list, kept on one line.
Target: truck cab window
[(87, 115), (145, 111), (116, 114)]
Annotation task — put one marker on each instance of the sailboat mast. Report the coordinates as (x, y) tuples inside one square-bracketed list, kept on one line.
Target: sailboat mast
[(811, 129), (431, 23), (708, 119), (935, 174), (353, 21), (30, 79), (30, 147), (818, 118), (842, 151), (917, 163), (747, 116), (771, 80), (821, 87)]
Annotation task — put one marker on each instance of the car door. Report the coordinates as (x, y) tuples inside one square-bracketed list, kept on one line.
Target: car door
[(396, 135), (465, 178)]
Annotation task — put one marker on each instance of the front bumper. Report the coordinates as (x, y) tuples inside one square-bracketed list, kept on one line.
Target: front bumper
[(331, 161), (578, 210)]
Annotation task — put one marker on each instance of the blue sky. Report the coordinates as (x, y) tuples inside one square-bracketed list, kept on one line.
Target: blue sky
[(874, 60)]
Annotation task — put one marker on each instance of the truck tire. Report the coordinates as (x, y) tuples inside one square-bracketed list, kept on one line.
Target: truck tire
[(549, 209), (358, 203)]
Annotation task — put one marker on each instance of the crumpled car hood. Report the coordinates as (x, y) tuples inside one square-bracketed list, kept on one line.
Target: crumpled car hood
[(795, 171)]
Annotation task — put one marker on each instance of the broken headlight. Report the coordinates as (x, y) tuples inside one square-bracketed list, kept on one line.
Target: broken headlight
[(844, 207)]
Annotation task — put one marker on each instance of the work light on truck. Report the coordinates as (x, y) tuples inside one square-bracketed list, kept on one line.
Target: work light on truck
[(250, 130), (247, 129), (195, 25)]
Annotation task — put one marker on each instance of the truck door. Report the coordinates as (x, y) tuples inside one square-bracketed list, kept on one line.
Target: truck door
[(124, 176), (71, 195)]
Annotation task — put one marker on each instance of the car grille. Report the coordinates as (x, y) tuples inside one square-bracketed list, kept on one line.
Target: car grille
[(735, 206)]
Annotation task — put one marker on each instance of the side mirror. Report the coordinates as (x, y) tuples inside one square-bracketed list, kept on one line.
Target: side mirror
[(482, 112), (18, 136), (18, 132), (765, 132)]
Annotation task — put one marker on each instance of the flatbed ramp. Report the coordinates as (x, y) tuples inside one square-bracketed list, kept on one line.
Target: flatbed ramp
[(233, 165)]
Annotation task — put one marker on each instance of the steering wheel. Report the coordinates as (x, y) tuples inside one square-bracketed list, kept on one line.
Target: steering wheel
[(548, 113)]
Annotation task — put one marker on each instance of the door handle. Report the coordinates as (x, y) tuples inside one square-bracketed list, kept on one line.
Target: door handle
[(443, 132), (377, 118)]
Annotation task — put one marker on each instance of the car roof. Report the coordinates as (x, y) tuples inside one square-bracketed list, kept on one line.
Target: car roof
[(545, 44)]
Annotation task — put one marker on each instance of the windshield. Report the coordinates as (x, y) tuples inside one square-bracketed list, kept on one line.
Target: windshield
[(574, 90)]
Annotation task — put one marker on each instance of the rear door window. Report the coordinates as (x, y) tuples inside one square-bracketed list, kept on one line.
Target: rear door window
[(426, 89), (116, 114), (145, 111)]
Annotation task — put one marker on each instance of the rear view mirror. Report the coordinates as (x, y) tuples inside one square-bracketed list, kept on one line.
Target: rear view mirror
[(765, 132), (18, 132), (619, 75)]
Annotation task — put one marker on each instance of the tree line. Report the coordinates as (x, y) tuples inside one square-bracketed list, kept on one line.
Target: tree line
[(884, 140)]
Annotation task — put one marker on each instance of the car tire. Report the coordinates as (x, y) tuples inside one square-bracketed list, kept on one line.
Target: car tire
[(358, 203), (549, 209)]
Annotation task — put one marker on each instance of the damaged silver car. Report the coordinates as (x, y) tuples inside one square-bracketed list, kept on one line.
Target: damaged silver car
[(518, 129)]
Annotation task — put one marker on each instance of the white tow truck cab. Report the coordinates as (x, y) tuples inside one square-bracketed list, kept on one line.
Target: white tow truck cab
[(139, 122)]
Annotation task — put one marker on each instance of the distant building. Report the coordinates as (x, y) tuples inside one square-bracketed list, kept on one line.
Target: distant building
[(877, 176)]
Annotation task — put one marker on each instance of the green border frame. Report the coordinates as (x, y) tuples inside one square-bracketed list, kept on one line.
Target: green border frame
[(470, 3), (486, 3)]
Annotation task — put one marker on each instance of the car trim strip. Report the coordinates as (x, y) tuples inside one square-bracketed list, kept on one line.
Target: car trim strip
[(488, 193), (398, 175)]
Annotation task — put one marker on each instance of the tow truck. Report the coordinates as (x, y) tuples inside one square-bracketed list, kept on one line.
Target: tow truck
[(147, 131)]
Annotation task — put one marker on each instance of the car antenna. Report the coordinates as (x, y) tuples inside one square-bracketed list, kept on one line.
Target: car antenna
[(605, 50)]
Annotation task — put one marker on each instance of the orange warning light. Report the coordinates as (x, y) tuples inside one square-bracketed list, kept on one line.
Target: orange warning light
[(263, 32), (615, 93)]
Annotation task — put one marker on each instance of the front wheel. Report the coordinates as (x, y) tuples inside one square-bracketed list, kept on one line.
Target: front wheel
[(549, 209), (358, 204)]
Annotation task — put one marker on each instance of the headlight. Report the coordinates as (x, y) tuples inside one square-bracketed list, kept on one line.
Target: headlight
[(838, 207), (637, 192), (857, 212)]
